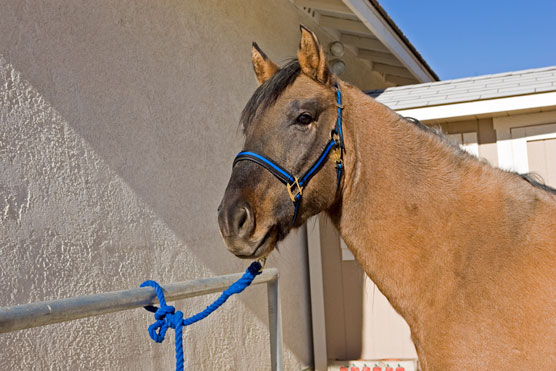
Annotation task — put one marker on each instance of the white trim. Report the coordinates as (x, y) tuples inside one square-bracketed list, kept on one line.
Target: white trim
[(520, 137), (320, 356), (374, 21), (481, 107), (513, 132), (514, 153)]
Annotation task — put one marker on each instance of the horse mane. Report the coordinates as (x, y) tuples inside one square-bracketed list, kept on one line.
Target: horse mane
[(268, 92), (536, 181), (439, 136), (429, 129)]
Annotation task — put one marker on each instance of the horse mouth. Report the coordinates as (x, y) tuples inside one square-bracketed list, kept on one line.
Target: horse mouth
[(253, 249), (265, 245)]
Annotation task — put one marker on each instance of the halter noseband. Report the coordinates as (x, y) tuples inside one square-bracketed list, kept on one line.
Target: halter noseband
[(295, 185)]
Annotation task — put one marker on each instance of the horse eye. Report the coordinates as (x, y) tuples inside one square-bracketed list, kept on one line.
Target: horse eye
[(304, 119)]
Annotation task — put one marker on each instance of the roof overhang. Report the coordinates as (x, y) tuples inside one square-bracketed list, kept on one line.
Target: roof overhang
[(365, 27), (382, 26), (483, 108)]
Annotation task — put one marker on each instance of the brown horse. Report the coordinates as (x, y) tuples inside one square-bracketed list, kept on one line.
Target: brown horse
[(474, 246)]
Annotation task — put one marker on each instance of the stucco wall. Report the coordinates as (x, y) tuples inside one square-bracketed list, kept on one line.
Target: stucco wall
[(118, 125)]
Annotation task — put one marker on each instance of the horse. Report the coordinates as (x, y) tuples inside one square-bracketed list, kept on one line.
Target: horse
[(465, 252)]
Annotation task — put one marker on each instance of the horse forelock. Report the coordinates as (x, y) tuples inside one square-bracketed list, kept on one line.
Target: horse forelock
[(267, 93)]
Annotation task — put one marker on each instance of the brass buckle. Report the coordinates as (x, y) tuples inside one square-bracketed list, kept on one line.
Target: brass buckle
[(337, 154), (298, 191)]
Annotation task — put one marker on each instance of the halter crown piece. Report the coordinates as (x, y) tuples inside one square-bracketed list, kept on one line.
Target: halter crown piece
[(295, 185)]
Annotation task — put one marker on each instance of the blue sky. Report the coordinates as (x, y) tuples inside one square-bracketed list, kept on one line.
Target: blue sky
[(470, 38)]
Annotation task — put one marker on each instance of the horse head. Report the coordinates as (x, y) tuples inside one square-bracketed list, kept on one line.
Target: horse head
[(292, 127)]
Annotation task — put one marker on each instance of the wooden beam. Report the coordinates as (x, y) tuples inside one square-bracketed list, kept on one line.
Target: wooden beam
[(368, 43), (343, 24), (392, 70), (332, 6), (379, 57), (401, 80)]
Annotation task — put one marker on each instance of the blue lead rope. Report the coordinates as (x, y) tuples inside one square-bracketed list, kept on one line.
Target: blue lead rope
[(167, 317)]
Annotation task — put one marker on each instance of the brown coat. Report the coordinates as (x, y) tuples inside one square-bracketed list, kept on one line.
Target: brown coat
[(474, 246)]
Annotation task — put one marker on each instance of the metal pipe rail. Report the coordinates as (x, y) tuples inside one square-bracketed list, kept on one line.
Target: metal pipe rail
[(55, 311)]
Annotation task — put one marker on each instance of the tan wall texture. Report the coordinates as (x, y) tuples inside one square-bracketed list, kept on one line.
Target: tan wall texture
[(118, 125)]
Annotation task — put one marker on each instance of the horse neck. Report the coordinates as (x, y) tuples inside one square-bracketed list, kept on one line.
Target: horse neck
[(399, 196)]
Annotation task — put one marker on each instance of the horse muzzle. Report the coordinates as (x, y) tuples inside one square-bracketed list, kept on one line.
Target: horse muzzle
[(237, 227)]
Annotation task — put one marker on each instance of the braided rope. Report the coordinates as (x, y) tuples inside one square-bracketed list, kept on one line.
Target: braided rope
[(167, 317)]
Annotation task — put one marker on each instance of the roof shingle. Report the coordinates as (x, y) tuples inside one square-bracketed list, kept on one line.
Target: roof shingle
[(468, 89)]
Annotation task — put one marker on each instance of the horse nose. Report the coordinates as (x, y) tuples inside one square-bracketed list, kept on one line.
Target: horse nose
[(237, 220), (243, 221)]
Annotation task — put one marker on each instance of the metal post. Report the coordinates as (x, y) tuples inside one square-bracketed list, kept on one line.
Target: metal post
[(275, 325)]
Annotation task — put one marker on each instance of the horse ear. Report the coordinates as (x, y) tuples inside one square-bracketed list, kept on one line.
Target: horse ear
[(311, 56), (264, 67)]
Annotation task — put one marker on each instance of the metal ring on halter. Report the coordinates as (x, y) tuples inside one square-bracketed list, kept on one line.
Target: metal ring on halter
[(263, 262)]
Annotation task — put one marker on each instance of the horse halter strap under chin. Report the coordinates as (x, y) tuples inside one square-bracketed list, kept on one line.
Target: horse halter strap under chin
[(295, 185)]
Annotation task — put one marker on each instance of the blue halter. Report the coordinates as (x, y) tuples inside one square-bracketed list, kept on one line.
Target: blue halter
[(295, 185)]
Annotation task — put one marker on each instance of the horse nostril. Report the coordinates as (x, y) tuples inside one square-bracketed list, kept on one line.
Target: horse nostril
[(243, 221)]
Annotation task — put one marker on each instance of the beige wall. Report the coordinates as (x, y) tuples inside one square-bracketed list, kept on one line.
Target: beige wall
[(525, 143), (343, 296), (486, 136), (496, 136), (118, 124), (542, 155)]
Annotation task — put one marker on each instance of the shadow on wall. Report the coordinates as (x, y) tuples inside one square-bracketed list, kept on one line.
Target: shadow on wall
[(112, 174), (62, 203)]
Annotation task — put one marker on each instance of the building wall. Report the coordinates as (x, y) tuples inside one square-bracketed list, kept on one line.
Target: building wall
[(343, 296), (526, 143), (511, 141), (485, 135), (118, 125)]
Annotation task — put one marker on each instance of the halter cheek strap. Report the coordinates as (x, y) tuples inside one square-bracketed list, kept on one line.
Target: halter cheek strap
[(295, 185)]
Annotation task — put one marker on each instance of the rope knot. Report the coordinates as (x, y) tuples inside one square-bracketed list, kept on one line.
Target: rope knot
[(175, 320), (167, 317), (163, 311), (157, 331)]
